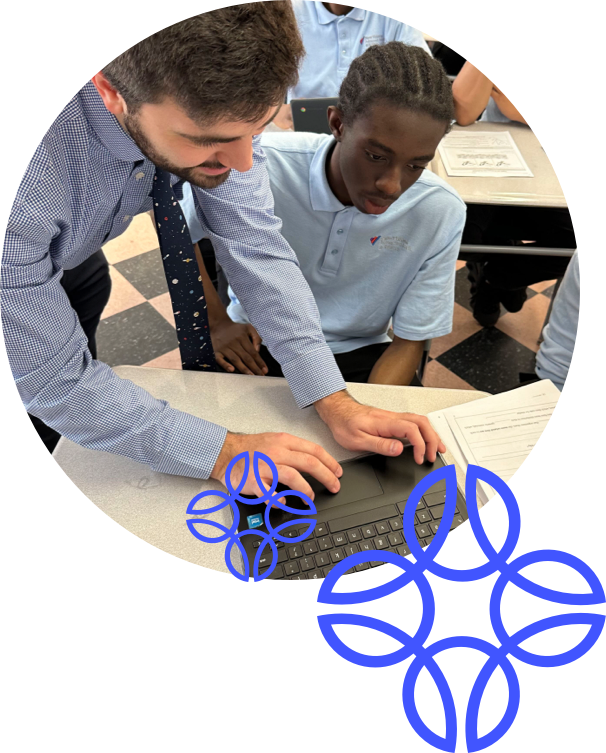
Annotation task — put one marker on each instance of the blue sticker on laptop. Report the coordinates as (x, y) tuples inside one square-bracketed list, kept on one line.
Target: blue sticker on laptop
[(254, 521)]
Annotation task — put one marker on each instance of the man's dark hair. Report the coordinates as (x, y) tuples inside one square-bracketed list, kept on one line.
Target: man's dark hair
[(399, 75), (234, 62)]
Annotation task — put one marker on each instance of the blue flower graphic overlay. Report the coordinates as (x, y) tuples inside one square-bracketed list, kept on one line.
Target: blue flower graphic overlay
[(497, 655), (233, 495)]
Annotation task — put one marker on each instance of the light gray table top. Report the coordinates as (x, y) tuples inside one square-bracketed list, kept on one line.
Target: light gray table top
[(152, 505), (543, 190)]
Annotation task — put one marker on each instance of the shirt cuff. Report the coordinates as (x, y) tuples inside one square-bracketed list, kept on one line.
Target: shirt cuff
[(192, 448), (313, 376)]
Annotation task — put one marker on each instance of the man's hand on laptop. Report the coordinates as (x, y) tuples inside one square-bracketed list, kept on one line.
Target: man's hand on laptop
[(237, 346), (291, 456), (366, 429)]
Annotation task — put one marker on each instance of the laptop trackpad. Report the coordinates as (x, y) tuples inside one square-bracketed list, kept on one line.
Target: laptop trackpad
[(358, 482)]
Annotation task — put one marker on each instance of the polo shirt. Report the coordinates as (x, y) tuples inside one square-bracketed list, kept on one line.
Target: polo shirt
[(332, 42), (365, 270), (492, 114)]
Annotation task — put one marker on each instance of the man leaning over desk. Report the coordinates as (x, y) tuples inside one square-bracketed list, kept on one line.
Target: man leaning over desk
[(189, 101)]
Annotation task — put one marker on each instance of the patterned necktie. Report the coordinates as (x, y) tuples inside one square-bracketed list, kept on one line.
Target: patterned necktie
[(183, 278)]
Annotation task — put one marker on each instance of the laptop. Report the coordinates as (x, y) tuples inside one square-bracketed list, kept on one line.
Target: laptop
[(311, 115), (364, 515)]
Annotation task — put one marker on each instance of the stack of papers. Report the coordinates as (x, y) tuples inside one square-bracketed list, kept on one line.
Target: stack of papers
[(482, 154), (497, 432)]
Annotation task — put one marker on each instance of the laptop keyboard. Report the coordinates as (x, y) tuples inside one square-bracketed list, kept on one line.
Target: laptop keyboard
[(379, 529)]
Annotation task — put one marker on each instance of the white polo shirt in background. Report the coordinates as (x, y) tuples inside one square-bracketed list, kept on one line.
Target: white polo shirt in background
[(555, 353), (332, 42), (364, 269)]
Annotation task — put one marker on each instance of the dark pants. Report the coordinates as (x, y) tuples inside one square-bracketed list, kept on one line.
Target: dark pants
[(509, 226), (88, 287), (355, 365)]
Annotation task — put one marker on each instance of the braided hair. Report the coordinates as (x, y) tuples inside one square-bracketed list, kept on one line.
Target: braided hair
[(399, 75)]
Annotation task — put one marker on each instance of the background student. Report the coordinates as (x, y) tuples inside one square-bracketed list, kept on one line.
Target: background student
[(504, 278), (377, 235), (334, 35)]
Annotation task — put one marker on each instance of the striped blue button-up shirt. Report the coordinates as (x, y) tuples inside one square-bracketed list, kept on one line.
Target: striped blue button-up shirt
[(86, 181)]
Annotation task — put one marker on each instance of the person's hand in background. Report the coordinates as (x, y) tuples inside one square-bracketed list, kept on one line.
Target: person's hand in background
[(237, 346)]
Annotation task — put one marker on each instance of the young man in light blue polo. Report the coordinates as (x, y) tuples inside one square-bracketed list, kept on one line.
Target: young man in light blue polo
[(334, 35), (376, 235)]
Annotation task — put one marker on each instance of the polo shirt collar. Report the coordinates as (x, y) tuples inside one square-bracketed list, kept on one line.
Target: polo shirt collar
[(320, 193), (326, 17), (107, 128)]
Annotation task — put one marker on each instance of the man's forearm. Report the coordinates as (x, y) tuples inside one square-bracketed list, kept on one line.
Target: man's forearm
[(471, 91), (216, 310), (398, 364)]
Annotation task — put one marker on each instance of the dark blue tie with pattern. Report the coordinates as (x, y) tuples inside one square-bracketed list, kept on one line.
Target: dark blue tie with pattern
[(183, 278)]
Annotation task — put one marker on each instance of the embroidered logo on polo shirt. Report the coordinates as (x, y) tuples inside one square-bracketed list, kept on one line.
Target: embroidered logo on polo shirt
[(389, 242), (372, 39)]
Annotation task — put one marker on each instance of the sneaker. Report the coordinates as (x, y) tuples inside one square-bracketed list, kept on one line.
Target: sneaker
[(513, 300), (485, 301)]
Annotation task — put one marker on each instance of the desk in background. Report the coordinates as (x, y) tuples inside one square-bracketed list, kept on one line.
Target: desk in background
[(152, 505)]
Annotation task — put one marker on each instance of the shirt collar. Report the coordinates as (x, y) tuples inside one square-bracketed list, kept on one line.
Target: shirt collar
[(107, 128), (326, 17), (321, 195)]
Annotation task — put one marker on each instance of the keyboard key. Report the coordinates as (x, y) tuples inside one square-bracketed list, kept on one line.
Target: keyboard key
[(265, 561), (325, 543), (314, 575), (339, 539), (362, 566), (396, 524), (458, 519), (337, 555), (300, 576), (434, 498), (321, 529), (279, 544), (277, 573), (289, 533), (307, 563), (322, 560), (367, 546), (403, 550), (368, 532), (423, 516), (310, 547), (376, 563), (361, 518), (351, 549), (256, 544), (303, 530), (395, 539), (282, 555), (383, 528), (291, 568), (354, 535), (423, 531), (326, 570), (295, 551), (381, 542), (438, 511), (434, 525)]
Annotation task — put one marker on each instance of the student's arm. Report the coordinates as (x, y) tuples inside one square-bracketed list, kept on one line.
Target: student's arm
[(398, 364), (236, 345), (471, 91), (506, 107)]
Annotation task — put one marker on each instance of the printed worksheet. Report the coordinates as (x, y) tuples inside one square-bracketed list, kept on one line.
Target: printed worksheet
[(482, 154)]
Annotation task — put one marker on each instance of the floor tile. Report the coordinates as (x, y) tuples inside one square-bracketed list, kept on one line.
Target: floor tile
[(526, 325), (138, 238), (170, 360), (463, 326), (437, 375), (134, 337), (123, 296), (490, 360), (163, 305), (146, 273)]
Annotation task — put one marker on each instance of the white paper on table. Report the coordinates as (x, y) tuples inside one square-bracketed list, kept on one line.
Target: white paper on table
[(482, 154), (499, 432)]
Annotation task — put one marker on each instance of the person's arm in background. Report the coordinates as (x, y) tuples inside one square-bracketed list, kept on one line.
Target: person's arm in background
[(236, 345), (398, 364), (506, 107), (471, 91), (284, 117)]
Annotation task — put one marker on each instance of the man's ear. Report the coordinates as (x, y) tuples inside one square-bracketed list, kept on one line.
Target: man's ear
[(335, 122), (111, 97)]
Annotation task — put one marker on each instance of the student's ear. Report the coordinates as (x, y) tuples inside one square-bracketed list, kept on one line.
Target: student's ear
[(335, 122), (111, 97)]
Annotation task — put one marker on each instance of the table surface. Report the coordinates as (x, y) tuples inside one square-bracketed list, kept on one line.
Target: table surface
[(152, 505), (543, 190)]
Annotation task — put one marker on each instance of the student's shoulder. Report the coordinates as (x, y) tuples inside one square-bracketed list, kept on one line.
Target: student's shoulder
[(431, 188), (291, 145)]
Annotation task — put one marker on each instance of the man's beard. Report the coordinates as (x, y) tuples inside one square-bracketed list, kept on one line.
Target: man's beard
[(186, 173)]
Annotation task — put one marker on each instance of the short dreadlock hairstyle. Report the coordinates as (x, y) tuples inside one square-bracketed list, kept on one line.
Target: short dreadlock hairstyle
[(399, 75)]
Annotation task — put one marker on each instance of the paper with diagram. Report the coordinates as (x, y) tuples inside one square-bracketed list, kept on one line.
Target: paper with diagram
[(482, 154)]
